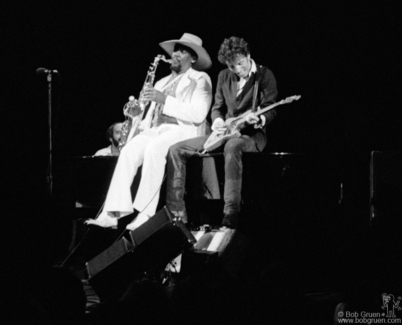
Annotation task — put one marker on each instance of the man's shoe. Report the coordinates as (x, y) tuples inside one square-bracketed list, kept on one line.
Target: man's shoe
[(103, 220)]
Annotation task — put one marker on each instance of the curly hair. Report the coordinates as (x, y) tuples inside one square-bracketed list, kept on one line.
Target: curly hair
[(231, 48)]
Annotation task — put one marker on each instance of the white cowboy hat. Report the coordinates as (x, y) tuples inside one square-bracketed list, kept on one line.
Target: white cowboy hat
[(194, 42)]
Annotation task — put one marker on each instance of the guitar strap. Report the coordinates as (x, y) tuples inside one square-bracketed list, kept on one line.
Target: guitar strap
[(256, 83)]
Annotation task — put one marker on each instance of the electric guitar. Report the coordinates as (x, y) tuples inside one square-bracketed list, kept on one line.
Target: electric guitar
[(234, 125)]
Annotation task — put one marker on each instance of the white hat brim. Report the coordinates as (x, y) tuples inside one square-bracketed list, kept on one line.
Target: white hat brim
[(203, 62)]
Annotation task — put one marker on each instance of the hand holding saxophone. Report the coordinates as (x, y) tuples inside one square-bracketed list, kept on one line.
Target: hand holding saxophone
[(151, 94)]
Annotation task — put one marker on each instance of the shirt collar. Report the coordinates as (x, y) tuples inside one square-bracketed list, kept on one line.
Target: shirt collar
[(252, 70)]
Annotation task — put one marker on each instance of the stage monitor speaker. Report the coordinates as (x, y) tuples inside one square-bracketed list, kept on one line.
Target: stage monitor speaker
[(228, 247), (386, 188), (149, 248)]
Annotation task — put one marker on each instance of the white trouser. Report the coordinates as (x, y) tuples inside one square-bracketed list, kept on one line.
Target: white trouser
[(149, 148)]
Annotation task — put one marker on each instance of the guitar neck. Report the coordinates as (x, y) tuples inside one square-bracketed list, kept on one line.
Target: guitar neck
[(268, 108), (242, 117)]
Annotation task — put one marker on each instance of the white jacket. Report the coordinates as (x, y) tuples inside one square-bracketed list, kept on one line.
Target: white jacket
[(191, 104)]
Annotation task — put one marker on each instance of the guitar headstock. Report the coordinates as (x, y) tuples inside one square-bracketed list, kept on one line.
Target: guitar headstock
[(290, 99)]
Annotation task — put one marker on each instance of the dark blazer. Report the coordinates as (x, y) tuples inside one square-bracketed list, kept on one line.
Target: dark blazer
[(227, 105)]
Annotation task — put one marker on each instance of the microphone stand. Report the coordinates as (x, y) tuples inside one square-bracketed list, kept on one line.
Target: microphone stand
[(49, 177)]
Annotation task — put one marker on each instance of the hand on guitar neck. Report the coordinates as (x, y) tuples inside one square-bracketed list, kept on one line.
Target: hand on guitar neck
[(252, 119)]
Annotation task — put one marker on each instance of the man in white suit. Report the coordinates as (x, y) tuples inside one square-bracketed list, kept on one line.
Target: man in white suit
[(179, 105)]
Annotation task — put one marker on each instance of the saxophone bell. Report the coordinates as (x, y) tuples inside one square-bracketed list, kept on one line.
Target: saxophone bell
[(130, 109)]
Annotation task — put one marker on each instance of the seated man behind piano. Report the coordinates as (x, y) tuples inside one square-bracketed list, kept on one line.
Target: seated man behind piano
[(113, 135), (179, 105), (234, 96)]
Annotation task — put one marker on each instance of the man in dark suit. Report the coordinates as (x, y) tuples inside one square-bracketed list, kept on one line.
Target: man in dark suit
[(234, 96)]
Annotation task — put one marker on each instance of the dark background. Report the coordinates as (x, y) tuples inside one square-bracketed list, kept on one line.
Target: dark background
[(343, 58)]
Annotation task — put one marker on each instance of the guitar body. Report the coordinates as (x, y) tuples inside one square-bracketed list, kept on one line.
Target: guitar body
[(233, 127), (216, 139)]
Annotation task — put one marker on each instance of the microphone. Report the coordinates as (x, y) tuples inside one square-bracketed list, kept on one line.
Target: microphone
[(41, 71)]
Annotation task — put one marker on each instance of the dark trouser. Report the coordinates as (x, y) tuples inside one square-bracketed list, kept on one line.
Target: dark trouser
[(176, 170)]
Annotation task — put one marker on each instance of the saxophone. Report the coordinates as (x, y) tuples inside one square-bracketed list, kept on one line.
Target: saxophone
[(135, 108)]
